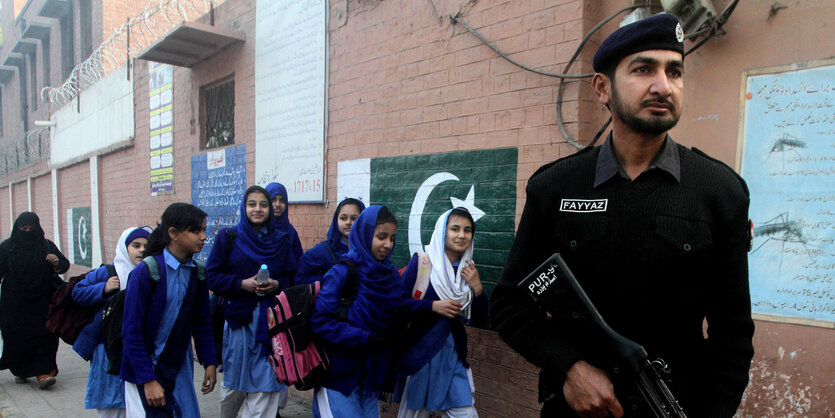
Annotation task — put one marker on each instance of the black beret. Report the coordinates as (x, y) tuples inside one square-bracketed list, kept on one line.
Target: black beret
[(661, 31)]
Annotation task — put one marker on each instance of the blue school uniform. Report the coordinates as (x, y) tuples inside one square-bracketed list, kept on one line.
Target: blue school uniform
[(245, 341), (436, 355), (104, 390), (246, 344), (319, 259), (152, 311), (361, 371)]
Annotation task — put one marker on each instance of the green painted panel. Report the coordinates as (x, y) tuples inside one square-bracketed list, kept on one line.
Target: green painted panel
[(489, 174)]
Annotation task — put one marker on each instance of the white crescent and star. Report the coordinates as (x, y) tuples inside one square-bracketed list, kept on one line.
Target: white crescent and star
[(82, 237), (419, 204)]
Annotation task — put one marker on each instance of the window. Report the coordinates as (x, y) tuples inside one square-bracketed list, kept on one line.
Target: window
[(1, 113), (33, 79), (67, 44), (86, 15), (24, 97), (218, 113), (46, 69)]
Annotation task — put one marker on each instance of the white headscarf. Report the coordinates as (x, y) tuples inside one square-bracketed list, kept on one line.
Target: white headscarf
[(446, 281), (122, 261)]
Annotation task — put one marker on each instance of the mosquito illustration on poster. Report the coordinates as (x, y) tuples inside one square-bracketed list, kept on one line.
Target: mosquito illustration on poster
[(784, 144), (784, 230)]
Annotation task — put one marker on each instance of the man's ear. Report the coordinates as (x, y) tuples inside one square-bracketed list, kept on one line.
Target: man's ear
[(602, 86)]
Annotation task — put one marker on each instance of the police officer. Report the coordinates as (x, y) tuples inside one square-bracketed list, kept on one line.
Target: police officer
[(657, 235)]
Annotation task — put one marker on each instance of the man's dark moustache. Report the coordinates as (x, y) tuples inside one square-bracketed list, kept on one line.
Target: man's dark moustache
[(665, 102)]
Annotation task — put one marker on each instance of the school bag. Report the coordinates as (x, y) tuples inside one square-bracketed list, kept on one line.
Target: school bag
[(298, 357), (66, 318), (114, 310)]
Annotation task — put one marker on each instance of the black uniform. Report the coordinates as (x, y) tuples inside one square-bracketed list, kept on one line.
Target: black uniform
[(656, 256)]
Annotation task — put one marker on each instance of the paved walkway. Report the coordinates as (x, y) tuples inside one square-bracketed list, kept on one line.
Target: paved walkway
[(66, 398)]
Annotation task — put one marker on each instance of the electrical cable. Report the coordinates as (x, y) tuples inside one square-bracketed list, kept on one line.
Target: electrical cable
[(455, 19), (560, 123), (713, 29), (715, 26)]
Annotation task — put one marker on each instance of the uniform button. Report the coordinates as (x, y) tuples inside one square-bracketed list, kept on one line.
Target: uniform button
[(573, 243), (686, 247)]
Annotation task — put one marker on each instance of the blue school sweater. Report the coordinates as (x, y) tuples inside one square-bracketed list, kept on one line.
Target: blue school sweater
[(144, 306)]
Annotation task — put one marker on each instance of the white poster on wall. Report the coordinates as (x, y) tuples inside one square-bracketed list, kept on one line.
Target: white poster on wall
[(290, 96)]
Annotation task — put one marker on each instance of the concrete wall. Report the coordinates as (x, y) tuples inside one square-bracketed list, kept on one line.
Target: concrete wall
[(106, 119)]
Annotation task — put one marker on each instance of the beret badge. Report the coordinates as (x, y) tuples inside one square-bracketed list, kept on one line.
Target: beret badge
[(679, 33)]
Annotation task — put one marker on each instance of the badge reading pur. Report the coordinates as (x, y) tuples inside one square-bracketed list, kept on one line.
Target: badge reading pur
[(584, 205), (679, 33)]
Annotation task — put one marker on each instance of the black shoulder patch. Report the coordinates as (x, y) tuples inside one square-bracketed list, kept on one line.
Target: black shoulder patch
[(551, 164), (721, 163)]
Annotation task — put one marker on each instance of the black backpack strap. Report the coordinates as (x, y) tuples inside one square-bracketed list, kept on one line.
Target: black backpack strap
[(111, 270), (349, 291), (330, 251), (231, 237)]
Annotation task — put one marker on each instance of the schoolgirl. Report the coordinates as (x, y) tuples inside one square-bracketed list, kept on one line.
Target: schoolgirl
[(362, 346), (281, 220), (435, 375), (161, 318), (319, 259), (105, 392), (248, 380)]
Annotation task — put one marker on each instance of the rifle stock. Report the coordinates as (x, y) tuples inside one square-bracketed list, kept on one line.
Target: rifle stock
[(551, 283)]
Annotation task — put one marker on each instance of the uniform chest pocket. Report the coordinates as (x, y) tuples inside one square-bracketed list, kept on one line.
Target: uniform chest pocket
[(578, 231), (686, 236)]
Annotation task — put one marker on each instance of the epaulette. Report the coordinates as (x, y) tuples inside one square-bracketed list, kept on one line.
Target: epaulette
[(551, 164), (722, 163)]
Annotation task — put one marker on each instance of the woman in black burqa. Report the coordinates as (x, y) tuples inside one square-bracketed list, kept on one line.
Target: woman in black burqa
[(28, 267)]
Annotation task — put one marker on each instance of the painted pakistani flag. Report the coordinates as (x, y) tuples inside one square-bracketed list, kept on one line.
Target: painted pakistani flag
[(80, 242), (419, 188)]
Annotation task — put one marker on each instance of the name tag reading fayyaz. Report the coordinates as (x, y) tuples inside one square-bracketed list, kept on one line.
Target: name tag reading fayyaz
[(583, 205)]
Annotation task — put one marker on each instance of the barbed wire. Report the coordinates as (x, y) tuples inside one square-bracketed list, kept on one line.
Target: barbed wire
[(136, 34), (24, 150)]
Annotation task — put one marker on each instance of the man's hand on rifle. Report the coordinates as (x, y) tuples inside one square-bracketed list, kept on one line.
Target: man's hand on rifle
[(589, 392)]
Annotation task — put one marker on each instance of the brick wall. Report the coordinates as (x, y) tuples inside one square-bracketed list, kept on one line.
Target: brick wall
[(73, 192), (5, 217), (20, 196), (113, 14), (42, 202)]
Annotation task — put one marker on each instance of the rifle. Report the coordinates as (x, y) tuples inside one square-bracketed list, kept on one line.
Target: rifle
[(552, 284)]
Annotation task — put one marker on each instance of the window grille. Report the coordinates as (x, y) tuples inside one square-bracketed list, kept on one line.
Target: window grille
[(218, 114)]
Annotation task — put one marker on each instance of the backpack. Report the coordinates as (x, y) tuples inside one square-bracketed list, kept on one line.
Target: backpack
[(298, 357), (66, 318), (114, 310)]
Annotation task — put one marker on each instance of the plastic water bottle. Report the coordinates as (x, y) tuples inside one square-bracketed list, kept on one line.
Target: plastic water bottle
[(263, 276)]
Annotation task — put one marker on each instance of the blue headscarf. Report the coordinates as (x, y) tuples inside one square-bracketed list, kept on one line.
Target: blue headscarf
[(271, 248), (380, 278), (334, 235), (283, 221), (281, 225), (379, 297)]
